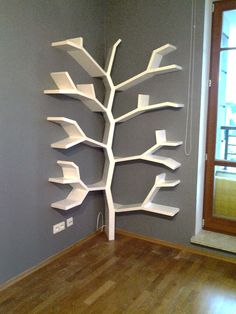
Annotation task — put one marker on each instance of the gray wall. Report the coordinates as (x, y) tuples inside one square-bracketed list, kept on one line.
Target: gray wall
[(26, 160), (144, 25)]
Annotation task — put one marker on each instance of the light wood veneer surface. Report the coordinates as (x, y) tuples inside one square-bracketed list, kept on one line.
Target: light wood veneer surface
[(125, 276)]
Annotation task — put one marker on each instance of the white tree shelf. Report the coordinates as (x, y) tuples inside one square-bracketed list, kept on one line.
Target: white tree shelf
[(86, 93), (75, 134)]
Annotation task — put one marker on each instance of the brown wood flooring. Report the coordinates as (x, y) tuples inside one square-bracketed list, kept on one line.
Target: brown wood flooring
[(125, 276)]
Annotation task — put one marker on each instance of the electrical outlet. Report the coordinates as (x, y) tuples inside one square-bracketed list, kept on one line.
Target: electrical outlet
[(69, 222), (59, 227)]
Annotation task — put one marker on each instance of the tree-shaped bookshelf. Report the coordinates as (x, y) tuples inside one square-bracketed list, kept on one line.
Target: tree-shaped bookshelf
[(86, 93)]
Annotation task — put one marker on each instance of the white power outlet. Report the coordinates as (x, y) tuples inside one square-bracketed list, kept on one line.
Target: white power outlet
[(69, 222), (59, 227)]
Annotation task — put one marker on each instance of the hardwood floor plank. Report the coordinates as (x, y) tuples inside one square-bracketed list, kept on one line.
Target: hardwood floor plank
[(141, 304), (99, 292), (129, 276)]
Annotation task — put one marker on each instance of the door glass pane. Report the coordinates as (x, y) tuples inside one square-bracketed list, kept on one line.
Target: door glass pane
[(228, 34), (224, 203), (226, 109)]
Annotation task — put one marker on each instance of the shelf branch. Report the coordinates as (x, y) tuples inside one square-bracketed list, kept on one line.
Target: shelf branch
[(74, 47), (160, 182), (144, 106), (158, 54), (148, 204), (75, 134), (83, 92), (161, 141), (148, 155), (71, 175), (111, 57), (166, 161), (98, 186), (152, 69)]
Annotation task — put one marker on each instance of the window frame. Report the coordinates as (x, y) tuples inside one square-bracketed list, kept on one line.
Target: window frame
[(211, 222)]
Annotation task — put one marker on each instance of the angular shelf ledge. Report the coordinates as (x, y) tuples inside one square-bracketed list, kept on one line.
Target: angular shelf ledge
[(83, 92), (75, 48), (111, 56), (148, 204), (162, 141), (152, 207), (152, 69), (71, 175), (168, 184), (62, 180), (145, 75), (143, 106), (158, 54), (166, 161), (67, 203), (162, 209), (160, 182), (149, 154), (99, 186), (75, 134)]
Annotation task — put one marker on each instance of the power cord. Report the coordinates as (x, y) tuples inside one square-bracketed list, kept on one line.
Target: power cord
[(100, 217)]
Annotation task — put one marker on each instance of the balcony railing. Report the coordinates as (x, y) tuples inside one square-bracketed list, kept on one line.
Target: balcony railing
[(227, 135)]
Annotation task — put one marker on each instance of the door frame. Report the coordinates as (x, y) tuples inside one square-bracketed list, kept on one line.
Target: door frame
[(211, 222), (199, 221)]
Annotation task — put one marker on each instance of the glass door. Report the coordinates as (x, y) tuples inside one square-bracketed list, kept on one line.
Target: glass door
[(220, 180)]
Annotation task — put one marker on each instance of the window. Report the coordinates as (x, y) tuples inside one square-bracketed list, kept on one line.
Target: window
[(220, 179)]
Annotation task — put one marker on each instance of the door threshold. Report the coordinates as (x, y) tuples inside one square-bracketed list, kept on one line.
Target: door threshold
[(215, 240)]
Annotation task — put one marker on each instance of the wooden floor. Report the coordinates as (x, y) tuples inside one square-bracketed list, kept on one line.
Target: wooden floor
[(125, 276)]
